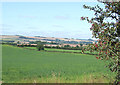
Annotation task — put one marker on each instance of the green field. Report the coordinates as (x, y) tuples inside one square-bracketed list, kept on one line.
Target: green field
[(53, 49), (27, 66), (59, 50)]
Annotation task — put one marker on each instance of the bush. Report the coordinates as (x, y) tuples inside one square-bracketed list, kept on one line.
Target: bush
[(40, 46)]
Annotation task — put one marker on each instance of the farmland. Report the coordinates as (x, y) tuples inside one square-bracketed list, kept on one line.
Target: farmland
[(28, 66), (53, 49), (60, 50)]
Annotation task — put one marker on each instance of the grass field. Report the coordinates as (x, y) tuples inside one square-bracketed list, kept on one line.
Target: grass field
[(28, 66), (53, 49), (59, 50)]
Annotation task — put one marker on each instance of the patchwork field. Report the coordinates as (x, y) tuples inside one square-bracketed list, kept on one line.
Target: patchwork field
[(27, 66)]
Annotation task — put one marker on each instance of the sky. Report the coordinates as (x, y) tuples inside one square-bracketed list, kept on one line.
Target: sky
[(48, 19)]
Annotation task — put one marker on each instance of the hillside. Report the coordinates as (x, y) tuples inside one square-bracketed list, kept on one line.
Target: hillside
[(27, 39)]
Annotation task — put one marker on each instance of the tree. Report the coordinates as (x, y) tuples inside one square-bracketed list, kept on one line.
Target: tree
[(77, 46), (40, 46), (81, 45), (18, 42), (57, 46), (67, 46), (106, 28)]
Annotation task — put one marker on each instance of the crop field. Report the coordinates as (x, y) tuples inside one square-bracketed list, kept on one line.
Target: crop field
[(60, 50), (28, 66), (53, 49)]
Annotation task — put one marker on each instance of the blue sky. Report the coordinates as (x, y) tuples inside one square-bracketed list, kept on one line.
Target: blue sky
[(49, 19)]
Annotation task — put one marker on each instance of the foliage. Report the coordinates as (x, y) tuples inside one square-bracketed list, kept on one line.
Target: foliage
[(67, 46), (81, 44), (9, 43), (77, 46), (18, 42), (40, 46), (106, 28)]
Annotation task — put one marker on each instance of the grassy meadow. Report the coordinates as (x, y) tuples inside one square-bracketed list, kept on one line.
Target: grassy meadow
[(53, 49), (60, 50), (28, 66)]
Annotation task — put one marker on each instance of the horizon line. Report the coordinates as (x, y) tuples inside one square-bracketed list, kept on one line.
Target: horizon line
[(42, 36)]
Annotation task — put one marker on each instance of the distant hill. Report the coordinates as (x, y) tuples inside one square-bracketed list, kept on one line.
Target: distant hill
[(90, 40), (21, 38)]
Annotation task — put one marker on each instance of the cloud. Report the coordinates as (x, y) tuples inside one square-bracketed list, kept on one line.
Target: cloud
[(62, 17), (57, 26)]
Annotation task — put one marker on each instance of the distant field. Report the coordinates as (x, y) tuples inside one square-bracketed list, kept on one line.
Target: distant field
[(28, 66), (53, 49), (59, 50)]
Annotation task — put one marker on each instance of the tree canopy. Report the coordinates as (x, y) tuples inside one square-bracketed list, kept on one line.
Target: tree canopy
[(106, 28)]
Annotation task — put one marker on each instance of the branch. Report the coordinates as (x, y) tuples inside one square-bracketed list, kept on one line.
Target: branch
[(113, 52)]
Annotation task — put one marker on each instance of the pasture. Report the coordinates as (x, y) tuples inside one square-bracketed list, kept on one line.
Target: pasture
[(27, 66), (60, 50)]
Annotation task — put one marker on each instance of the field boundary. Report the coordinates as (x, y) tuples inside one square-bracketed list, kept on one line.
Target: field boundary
[(62, 51)]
